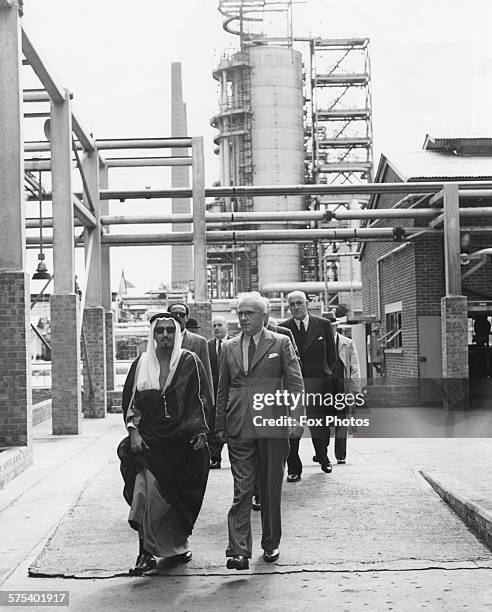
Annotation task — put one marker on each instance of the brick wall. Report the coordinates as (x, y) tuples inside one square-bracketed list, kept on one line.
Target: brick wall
[(110, 351), (398, 283), (15, 360), (94, 363), (65, 368)]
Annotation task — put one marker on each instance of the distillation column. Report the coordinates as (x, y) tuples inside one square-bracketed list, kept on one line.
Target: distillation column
[(278, 148)]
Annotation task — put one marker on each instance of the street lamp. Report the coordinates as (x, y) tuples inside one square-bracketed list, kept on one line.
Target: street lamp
[(41, 271)]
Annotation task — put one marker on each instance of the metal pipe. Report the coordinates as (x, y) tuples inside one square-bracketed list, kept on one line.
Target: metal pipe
[(275, 216), (133, 162), (259, 235), (35, 95), (312, 286), (272, 190), (466, 190), (123, 143), (143, 143)]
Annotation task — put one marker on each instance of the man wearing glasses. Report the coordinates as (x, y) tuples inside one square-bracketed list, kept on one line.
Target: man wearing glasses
[(256, 364), (193, 342)]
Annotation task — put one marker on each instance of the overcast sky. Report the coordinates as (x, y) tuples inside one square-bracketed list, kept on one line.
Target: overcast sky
[(431, 69)]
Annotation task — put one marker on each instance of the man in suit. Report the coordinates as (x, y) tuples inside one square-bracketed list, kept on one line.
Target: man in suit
[(347, 379), (219, 328), (254, 363), (193, 342), (316, 344)]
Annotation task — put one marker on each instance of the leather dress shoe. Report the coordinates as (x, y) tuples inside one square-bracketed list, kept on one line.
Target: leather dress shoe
[(255, 502), (326, 466), (237, 562), (341, 461), (271, 555), (145, 563), (316, 459), (182, 558), (293, 477), (215, 465)]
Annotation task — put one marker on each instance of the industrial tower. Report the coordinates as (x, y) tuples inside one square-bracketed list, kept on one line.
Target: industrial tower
[(291, 110)]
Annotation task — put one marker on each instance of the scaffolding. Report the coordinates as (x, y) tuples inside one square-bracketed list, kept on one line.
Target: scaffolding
[(233, 140), (339, 146)]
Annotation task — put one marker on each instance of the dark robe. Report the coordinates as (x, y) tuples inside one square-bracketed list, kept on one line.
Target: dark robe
[(181, 472)]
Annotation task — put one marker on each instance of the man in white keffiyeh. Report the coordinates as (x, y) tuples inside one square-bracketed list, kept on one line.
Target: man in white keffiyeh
[(165, 458)]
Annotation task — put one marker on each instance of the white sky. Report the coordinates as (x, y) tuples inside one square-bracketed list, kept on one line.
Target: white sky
[(431, 67)]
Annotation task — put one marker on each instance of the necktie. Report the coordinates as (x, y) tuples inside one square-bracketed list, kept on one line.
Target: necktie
[(219, 351), (251, 352), (302, 336)]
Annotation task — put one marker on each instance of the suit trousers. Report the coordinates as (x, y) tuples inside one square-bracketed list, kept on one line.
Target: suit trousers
[(249, 457), (341, 442), (215, 447)]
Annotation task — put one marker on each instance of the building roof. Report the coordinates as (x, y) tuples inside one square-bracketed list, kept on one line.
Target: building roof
[(459, 144), (429, 165)]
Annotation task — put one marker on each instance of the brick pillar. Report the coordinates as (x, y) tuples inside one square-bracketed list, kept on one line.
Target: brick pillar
[(202, 312), (15, 360), (110, 350), (94, 362), (66, 404), (454, 351)]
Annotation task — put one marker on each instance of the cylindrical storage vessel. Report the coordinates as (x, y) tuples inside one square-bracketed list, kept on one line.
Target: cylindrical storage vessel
[(277, 148)]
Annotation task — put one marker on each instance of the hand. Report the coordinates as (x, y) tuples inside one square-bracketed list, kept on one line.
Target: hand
[(199, 441), (221, 436), (137, 443)]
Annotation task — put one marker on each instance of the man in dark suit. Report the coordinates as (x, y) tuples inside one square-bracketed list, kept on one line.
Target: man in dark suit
[(215, 346), (193, 342), (315, 341), (255, 363)]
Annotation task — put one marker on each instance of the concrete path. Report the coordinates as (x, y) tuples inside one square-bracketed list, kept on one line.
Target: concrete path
[(372, 535)]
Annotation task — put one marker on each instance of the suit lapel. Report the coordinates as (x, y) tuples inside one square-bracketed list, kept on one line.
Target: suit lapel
[(264, 344), (236, 350), (312, 332)]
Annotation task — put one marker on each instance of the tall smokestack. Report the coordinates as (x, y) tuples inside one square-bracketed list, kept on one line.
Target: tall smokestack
[(182, 255)]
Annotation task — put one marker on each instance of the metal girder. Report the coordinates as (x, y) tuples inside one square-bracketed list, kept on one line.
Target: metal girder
[(82, 213), (55, 92), (84, 137)]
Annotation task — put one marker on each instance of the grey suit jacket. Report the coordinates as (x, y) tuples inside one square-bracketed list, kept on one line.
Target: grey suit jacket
[(275, 367), (198, 345)]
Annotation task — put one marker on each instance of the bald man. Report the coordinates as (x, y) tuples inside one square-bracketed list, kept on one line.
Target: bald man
[(215, 347)]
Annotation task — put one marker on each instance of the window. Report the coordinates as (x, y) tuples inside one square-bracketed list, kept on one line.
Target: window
[(393, 336)]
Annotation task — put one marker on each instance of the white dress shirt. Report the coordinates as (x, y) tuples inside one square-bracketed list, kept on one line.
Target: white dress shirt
[(245, 346), (305, 321)]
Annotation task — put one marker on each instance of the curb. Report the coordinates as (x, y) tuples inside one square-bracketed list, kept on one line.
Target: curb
[(473, 510)]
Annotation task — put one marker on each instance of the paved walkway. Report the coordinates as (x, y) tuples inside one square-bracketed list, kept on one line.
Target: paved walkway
[(372, 535)]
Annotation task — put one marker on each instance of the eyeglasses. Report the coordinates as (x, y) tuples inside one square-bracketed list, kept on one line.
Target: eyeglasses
[(294, 304), (181, 315), (161, 330), (246, 313)]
